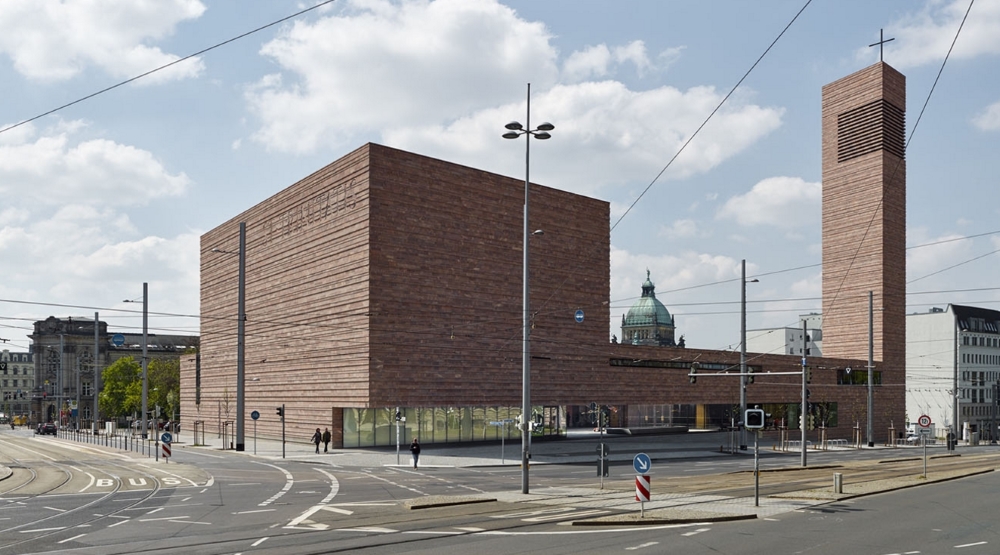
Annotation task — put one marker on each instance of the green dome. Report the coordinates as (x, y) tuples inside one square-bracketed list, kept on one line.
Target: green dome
[(648, 311)]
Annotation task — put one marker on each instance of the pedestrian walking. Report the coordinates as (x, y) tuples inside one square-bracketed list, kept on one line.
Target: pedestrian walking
[(326, 440), (415, 449), (317, 437)]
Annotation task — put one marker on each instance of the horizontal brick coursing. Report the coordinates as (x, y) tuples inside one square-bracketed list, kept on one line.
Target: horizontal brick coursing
[(864, 232), (402, 289)]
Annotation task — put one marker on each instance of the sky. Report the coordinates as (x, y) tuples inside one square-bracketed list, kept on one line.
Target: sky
[(116, 189)]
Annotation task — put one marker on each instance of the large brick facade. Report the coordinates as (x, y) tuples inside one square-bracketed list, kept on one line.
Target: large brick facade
[(392, 279), (389, 279)]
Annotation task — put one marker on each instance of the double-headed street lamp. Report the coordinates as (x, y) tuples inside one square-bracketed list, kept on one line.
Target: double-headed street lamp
[(240, 334), (515, 130)]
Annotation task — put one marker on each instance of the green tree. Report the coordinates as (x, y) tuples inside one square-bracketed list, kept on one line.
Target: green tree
[(122, 382), (164, 387)]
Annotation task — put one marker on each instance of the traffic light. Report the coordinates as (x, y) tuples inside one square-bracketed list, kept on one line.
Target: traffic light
[(812, 422), (754, 419), (694, 371), (750, 376), (399, 416), (809, 374), (281, 411)]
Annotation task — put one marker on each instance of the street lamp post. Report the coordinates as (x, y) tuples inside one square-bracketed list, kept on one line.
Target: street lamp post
[(145, 362), (97, 373), (515, 130), (743, 351), (145, 359), (241, 318), (240, 330)]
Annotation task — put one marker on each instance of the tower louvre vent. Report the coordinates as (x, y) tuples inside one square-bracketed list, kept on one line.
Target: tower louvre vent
[(875, 126)]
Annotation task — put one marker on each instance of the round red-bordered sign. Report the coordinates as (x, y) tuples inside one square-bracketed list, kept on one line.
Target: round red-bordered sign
[(924, 421)]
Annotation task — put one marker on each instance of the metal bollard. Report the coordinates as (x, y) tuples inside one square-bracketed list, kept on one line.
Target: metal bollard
[(838, 482)]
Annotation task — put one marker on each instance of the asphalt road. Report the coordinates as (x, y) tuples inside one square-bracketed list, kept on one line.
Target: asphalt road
[(70, 497)]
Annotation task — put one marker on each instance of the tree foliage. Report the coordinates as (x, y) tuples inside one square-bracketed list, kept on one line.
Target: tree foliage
[(121, 394), (122, 380), (164, 386)]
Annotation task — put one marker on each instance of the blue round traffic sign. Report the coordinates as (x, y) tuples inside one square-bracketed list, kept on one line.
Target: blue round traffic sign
[(117, 340), (255, 415), (579, 316), (641, 463), (166, 437)]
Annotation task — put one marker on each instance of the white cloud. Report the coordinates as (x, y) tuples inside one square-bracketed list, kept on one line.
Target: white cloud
[(54, 40), (680, 229), (784, 202), (988, 119), (924, 37), (441, 78), (395, 65), (54, 169), (605, 134), (595, 62), (586, 64)]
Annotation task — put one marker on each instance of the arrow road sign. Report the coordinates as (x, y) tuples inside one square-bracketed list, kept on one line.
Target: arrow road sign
[(641, 463)]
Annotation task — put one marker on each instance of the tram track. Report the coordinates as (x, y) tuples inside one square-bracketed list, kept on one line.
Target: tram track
[(46, 523)]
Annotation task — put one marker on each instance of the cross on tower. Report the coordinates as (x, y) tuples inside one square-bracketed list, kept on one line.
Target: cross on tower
[(880, 43)]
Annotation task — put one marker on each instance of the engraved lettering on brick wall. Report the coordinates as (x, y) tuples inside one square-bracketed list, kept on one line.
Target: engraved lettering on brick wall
[(338, 198)]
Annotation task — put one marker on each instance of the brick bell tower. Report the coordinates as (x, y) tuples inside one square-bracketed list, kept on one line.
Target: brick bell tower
[(864, 217)]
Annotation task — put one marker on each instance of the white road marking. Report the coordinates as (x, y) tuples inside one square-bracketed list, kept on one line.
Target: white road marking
[(170, 518), (695, 532), (470, 529), (258, 542), (73, 538), (311, 511), (43, 530), (561, 516), (289, 482), (55, 509), (641, 546), (155, 511), (970, 544), (93, 480), (257, 511), (334, 486), (117, 523)]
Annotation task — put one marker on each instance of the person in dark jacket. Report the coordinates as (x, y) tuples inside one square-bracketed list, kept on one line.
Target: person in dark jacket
[(316, 438), (415, 449), (326, 440)]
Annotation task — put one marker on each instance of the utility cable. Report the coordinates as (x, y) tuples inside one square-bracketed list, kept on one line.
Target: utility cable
[(164, 66)]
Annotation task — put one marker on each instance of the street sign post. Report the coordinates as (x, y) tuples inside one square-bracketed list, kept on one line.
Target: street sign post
[(641, 463), (642, 491), (167, 439), (254, 415)]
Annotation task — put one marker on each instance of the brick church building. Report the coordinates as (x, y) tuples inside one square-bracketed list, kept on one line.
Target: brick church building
[(389, 281)]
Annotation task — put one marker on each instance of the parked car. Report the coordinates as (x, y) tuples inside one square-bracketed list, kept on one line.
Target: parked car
[(913, 439), (47, 428)]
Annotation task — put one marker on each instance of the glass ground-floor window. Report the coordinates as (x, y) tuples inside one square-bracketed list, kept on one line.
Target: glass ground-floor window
[(373, 427)]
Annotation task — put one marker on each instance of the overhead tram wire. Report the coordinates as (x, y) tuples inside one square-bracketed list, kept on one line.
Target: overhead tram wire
[(714, 111), (899, 163), (693, 135), (165, 66)]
